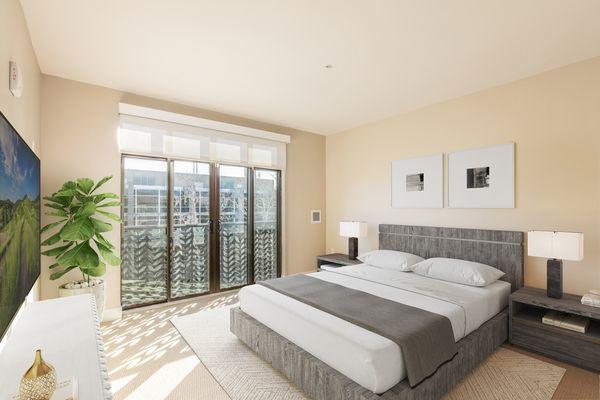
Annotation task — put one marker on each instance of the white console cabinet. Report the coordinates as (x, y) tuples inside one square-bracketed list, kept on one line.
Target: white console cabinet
[(68, 333)]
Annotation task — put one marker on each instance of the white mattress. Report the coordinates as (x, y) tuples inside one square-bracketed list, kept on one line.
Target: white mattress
[(369, 359)]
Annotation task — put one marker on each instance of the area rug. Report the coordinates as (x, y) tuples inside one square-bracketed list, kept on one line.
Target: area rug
[(244, 376), (241, 373), (507, 374)]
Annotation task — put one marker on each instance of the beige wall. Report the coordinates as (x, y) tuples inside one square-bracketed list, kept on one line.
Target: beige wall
[(304, 191), (79, 125), (15, 44), (554, 119), (79, 139), (24, 112)]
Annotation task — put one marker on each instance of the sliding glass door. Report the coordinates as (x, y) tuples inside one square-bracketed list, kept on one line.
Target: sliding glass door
[(144, 269), (233, 226), (266, 201), (192, 228)]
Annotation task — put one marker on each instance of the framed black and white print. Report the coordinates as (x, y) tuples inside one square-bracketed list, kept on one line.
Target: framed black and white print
[(418, 182), (482, 178)]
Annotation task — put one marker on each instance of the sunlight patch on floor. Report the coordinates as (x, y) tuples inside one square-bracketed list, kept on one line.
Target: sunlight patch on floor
[(118, 384), (148, 359), (163, 381)]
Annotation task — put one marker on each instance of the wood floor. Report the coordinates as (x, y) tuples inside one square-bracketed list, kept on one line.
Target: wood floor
[(576, 384)]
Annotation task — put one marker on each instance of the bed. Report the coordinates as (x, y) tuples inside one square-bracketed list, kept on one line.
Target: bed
[(330, 358)]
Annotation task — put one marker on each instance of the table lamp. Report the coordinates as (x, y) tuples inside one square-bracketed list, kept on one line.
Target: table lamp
[(556, 246), (353, 230)]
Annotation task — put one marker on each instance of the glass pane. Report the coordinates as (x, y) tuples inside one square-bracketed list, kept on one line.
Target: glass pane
[(191, 216), (233, 230), (266, 215), (144, 245)]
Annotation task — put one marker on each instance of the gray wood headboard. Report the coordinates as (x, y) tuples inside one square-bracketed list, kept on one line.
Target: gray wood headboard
[(500, 249)]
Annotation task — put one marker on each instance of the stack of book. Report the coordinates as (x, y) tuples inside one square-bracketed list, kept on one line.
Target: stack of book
[(572, 322), (592, 298)]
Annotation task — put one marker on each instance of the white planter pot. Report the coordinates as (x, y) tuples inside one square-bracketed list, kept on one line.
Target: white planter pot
[(97, 291)]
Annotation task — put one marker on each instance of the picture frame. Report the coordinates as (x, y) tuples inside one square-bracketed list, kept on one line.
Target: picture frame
[(482, 178), (418, 182)]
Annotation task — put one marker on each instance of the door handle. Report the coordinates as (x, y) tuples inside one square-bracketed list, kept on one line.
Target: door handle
[(210, 226), (219, 226)]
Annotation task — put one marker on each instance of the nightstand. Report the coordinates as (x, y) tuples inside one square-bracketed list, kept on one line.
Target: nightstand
[(527, 306), (335, 259)]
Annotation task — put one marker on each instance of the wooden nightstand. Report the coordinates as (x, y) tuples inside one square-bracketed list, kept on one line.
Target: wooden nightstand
[(527, 307), (335, 259)]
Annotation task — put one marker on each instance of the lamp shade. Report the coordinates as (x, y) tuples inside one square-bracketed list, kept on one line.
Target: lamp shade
[(559, 245), (353, 229)]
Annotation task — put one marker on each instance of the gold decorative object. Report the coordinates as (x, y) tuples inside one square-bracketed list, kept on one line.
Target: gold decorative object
[(39, 382)]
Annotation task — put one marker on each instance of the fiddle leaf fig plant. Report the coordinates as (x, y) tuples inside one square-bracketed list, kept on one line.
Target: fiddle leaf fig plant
[(78, 238)]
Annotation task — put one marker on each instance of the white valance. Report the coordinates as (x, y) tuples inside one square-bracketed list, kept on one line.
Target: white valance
[(145, 136)]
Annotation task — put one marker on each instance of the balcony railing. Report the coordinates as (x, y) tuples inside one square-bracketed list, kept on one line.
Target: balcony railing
[(144, 253)]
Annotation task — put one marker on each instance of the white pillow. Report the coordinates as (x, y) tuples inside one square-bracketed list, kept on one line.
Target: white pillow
[(390, 259), (458, 271)]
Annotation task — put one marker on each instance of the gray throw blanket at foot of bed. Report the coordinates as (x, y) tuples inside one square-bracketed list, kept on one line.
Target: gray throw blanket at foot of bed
[(425, 338)]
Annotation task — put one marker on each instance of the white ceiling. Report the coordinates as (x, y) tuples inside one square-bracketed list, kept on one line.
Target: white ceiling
[(265, 59)]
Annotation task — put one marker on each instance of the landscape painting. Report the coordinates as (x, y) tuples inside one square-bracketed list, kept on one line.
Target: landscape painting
[(19, 221)]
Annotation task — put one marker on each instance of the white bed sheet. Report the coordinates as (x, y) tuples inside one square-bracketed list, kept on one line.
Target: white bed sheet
[(367, 358)]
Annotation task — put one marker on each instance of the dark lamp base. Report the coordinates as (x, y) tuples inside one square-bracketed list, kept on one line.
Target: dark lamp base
[(352, 248), (555, 275)]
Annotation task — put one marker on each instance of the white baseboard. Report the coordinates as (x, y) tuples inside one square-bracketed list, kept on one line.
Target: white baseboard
[(112, 314), (202, 297)]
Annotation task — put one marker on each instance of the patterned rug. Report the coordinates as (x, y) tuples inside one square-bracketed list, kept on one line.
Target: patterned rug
[(507, 374), (244, 376)]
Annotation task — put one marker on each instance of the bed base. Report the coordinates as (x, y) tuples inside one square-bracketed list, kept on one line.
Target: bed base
[(321, 382)]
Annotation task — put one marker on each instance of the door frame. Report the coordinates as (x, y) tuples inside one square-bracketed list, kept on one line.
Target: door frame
[(214, 216)]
